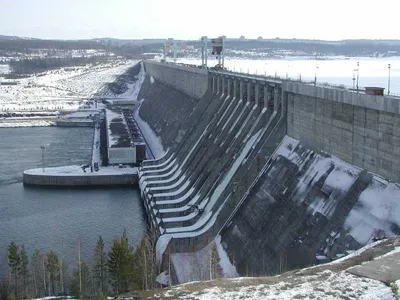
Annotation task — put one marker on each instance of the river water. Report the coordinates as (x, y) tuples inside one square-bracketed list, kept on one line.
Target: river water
[(59, 218)]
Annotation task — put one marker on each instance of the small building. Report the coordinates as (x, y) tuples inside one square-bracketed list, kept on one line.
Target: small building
[(136, 135), (376, 91), (125, 142), (120, 147)]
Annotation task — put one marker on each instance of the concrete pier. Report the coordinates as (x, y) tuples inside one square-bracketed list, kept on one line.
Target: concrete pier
[(73, 176)]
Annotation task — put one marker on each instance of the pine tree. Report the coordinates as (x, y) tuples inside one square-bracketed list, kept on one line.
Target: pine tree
[(128, 262), (14, 262), (85, 291), (100, 268), (214, 266), (63, 275), (114, 265), (120, 264), (144, 265), (37, 274), (53, 268), (23, 272)]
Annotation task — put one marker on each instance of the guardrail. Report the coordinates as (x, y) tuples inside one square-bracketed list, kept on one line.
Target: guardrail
[(280, 79)]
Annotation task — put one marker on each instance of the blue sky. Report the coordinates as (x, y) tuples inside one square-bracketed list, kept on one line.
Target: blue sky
[(180, 19)]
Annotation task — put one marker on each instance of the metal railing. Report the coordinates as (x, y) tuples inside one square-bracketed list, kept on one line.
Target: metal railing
[(285, 79)]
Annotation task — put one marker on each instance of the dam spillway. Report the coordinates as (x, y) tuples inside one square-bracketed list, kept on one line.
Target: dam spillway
[(281, 170)]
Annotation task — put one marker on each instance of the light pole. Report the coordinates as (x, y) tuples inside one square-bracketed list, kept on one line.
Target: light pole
[(315, 76), (354, 78), (42, 147), (287, 72), (358, 74), (389, 80)]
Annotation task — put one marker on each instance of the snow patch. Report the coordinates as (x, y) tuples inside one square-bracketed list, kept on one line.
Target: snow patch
[(378, 207), (325, 285), (161, 246), (75, 170), (26, 123), (228, 268), (153, 141)]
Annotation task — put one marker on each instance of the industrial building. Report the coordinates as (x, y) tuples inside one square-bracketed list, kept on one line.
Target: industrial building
[(136, 135), (125, 143)]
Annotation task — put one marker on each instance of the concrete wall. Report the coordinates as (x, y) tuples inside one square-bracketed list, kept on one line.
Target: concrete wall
[(361, 129), (261, 218), (92, 180), (167, 110), (122, 155), (192, 81)]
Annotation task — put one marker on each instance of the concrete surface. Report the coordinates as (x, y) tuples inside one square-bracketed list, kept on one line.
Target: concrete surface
[(385, 269), (192, 81), (263, 229)]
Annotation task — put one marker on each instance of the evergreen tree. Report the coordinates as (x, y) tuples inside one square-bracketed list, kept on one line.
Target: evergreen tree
[(53, 268), (100, 269), (144, 265), (214, 266), (14, 262), (120, 264), (63, 275), (4, 288), (23, 272), (81, 284), (128, 263), (114, 265), (37, 274)]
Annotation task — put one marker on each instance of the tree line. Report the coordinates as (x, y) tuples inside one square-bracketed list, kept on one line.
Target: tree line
[(117, 271), (37, 65)]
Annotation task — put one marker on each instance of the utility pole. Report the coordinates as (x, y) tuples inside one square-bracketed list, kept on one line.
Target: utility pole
[(42, 147), (315, 76), (175, 51), (223, 52), (287, 72), (389, 81), (165, 52), (354, 78), (204, 51), (358, 75)]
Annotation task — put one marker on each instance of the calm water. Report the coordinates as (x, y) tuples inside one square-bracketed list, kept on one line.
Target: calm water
[(53, 218)]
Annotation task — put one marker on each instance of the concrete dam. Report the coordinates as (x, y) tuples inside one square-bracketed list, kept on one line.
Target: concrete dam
[(285, 174)]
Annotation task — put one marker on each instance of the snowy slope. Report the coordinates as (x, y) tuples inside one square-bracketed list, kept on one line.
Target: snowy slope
[(329, 281), (377, 208), (61, 89)]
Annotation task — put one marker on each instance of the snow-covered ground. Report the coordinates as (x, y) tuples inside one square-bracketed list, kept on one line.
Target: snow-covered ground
[(23, 123), (4, 69), (321, 282), (55, 298), (323, 285), (195, 265), (77, 171), (58, 90), (153, 141)]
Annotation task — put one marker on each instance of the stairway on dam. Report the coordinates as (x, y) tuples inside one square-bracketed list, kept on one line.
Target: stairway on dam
[(231, 170)]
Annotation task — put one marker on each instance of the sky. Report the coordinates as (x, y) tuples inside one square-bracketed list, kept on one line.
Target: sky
[(189, 20)]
